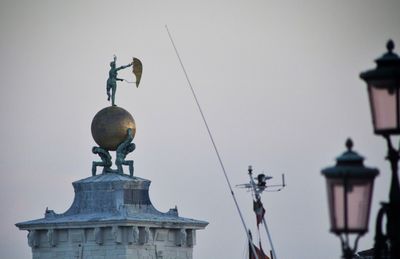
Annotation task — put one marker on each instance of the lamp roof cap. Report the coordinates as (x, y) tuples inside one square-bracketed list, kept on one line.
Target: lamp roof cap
[(388, 66), (350, 164)]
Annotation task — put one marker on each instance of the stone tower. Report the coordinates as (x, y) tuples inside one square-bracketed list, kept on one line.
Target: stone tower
[(112, 216)]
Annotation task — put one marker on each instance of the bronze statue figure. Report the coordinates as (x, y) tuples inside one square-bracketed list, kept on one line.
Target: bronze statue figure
[(112, 79), (123, 150), (113, 128), (105, 160)]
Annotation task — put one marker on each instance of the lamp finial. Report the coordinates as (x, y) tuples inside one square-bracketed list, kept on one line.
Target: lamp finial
[(349, 144), (390, 45)]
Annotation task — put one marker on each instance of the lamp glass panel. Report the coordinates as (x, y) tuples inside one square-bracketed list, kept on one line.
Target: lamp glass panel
[(384, 108), (358, 204), (336, 203), (358, 201)]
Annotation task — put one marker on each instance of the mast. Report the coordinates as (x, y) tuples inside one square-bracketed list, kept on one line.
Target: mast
[(213, 144), (258, 198), (257, 189)]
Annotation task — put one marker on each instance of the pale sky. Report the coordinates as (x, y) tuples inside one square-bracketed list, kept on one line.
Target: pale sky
[(278, 82)]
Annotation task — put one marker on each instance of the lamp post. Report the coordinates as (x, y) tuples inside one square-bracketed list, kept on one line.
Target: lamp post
[(383, 85), (349, 186)]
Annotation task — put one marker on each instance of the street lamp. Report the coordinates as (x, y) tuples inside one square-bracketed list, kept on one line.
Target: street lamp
[(383, 85), (349, 186)]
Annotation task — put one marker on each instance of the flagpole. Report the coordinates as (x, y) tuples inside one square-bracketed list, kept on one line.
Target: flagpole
[(270, 239), (258, 198), (213, 143)]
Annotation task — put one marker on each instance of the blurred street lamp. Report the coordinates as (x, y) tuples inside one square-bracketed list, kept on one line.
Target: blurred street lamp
[(349, 186), (383, 85)]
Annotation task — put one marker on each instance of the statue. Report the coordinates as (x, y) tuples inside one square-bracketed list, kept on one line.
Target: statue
[(33, 238), (51, 237), (135, 233), (113, 128), (117, 234), (112, 79), (182, 237), (123, 150), (105, 160), (146, 236)]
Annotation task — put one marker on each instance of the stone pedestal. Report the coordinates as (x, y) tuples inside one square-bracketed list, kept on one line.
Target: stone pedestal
[(112, 217)]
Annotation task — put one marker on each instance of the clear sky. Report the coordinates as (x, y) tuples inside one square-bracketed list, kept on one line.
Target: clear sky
[(278, 82)]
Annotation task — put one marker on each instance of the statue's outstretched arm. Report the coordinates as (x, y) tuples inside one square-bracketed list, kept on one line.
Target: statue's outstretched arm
[(122, 67)]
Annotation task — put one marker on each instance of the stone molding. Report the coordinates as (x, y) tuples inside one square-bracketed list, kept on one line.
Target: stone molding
[(127, 235)]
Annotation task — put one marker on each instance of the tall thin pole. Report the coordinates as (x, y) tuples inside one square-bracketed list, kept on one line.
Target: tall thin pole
[(214, 145), (269, 238), (393, 210)]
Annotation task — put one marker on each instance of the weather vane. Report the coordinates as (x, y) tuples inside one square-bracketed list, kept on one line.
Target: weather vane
[(257, 188), (113, 128), (137, 69), (261, 185)]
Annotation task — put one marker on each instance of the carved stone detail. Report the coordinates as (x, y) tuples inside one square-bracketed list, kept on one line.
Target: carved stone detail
[(117, 234), (160, 252), (191, 237), (181, 237), (33, 238), (144, 235), (133, 234), (52, 237), (98, 235)]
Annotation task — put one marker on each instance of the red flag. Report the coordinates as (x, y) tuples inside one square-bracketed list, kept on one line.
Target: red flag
[(259, 251), (259, 210)]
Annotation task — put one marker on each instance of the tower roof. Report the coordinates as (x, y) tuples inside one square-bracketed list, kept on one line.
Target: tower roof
[(112, 199)]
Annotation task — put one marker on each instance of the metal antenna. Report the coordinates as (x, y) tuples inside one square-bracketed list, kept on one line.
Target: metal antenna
[(214, 145), (257, 189)]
